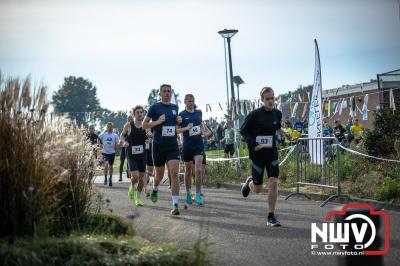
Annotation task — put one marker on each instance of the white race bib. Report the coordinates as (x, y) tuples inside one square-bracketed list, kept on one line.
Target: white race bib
[(137, 149), (265, 141), (194, 131), (168, 131)]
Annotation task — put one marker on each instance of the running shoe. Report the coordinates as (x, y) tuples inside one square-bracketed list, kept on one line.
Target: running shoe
[(110, 182), (175, 210), (105, 181), (189, 199), (246, 187), (272, 221), (131, 192), (154, 196), (199, 200), (138, 201), (192, 196), (120, 178)]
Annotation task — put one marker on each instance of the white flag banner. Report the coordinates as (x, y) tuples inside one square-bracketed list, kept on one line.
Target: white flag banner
[(173, 99), (315, 115)]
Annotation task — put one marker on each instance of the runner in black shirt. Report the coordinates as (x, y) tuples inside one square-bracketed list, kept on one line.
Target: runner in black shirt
[(259, 130), (136, 152)]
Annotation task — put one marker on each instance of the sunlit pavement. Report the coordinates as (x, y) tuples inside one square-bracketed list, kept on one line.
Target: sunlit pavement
[(234, 227)]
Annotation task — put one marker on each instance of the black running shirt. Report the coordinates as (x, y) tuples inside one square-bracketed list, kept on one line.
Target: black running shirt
[(260, 126)]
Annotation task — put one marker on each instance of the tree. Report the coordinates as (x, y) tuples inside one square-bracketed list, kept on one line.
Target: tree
[(75, 97), (153, 97), (118, 119)]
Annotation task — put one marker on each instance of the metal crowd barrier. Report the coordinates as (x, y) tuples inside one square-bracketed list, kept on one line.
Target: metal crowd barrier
[(325, 174)]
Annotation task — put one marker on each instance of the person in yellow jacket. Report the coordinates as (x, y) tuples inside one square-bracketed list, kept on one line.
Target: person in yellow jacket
[(295, 135), (357, 131)]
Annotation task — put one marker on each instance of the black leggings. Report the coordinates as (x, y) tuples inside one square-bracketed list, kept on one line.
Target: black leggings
[(122, 161)]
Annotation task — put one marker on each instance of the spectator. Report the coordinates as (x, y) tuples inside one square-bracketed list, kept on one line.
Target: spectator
[(339, 132), (357, 131)]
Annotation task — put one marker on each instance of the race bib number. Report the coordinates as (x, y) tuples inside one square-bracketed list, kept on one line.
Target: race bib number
[(137, 149), (147, 145), (168, 131), (265, 141), (194, 131)]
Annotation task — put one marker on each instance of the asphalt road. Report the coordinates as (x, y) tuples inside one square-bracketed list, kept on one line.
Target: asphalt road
[(234, 228)]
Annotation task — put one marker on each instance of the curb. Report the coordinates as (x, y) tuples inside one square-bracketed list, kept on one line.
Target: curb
[(321, 197)]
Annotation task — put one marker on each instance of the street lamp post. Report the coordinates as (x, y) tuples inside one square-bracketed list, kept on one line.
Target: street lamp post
[(238, 81), (228, 34)]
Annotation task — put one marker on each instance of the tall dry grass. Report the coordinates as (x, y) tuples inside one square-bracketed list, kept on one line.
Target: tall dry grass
[(45, 164)]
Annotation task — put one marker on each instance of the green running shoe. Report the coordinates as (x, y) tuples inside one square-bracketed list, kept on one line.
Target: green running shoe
[(131, 192), (175, 210), (138, 201), (189, 198), (199, 200), (154, 196)]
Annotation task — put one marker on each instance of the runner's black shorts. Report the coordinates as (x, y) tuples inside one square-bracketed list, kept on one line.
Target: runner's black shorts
[(189, 154), (164, 153), (109, 158), (149, 158), (204, 158), (137, 163), (229, 148), (261, 160)]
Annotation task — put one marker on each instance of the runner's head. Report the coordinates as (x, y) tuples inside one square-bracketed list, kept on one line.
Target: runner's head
[(91, 129), (189, 101), (129, 119), (267, 97), (355, 122), (138, 112), (228, 124), (165, 93), (109, 127)]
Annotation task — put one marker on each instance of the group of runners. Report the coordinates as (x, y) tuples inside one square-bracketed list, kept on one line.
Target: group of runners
[(150, 141)]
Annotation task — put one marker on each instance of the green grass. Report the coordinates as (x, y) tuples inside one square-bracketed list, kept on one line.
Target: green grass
[(103, 239)]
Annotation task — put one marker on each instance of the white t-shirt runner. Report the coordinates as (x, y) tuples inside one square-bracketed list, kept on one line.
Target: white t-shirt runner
[(109, 141)]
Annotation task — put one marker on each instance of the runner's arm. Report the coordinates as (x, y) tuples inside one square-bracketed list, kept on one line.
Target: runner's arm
[(123, 134), (245, 131), (147, 124)]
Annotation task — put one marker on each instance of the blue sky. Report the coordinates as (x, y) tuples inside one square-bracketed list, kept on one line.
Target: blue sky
[(128, 47)]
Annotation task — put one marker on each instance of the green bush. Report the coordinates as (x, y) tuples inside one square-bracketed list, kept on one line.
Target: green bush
[(388, 190), (380, 141), (93, 250)]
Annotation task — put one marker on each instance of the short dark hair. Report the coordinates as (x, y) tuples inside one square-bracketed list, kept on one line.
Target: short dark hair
[(137, 107), (165, 85)]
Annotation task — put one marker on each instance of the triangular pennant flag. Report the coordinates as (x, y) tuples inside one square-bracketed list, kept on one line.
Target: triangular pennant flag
[(365, 108), (305, 110), (391, 100), (294, 110), (329, 108)]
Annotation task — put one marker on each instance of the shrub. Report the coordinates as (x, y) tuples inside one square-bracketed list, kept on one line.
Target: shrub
[(380, 141), (45, 169), (388, 190)]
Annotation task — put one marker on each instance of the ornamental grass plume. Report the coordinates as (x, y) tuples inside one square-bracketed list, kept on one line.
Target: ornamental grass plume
[(46, 167)]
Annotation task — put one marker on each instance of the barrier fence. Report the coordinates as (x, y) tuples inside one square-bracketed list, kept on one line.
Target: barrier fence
[(326, 173)]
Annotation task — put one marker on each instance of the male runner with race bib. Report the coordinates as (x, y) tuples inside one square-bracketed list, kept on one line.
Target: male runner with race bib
[(164, 119), (259, 130)]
